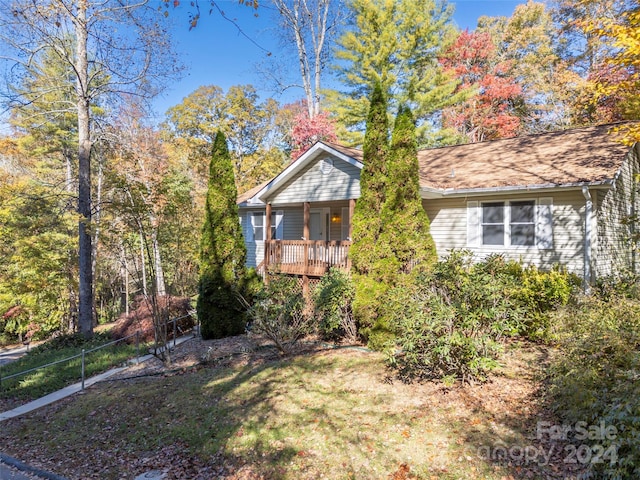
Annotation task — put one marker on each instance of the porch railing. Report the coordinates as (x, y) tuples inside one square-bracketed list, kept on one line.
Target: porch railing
[(306, 257)]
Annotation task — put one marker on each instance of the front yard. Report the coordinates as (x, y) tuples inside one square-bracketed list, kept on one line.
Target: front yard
[(326, 413)]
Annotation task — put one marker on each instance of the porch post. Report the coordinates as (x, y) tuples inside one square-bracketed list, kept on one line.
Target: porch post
[(306, 235), (267, 242), (352, 208), (307, 219)]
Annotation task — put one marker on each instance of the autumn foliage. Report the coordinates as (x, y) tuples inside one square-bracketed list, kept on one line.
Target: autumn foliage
[(490, 111), (307, 131), (140, 318)]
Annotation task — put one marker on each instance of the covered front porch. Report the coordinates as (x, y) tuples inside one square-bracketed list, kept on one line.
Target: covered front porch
[(315, 252)]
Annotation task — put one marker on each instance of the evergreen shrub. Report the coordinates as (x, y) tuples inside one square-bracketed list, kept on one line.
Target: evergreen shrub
[(278, 313), (222, 252), (596, 380), (333, 305), (626, 284), (220, 313), (450, 323)]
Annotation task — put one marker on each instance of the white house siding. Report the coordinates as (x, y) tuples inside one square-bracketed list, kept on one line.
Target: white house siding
[(449, 230), (341, 182), (613, 253)]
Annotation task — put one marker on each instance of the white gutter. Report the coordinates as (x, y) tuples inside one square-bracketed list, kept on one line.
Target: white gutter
[(588, 218), (432, 193)]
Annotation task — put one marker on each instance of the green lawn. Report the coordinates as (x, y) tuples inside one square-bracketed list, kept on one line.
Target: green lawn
[(333, 414), (49, 379)]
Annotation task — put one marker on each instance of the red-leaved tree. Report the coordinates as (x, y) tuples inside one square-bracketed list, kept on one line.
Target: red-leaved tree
[(305, 131), (490, 112)]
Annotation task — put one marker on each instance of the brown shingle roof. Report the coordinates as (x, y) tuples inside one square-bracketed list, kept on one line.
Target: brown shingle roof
[(348, 151), (580, 155), (590, 154), (243, 197)]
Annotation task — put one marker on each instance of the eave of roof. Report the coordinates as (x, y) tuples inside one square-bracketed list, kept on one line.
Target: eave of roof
[(567, 159)]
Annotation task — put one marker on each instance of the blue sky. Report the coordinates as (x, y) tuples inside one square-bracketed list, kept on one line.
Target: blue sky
[(215, 53)]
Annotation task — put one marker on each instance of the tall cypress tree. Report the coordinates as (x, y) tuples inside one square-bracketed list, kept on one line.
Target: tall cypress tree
[(222, 251), (405, 224), (368, 255), (373, 177)]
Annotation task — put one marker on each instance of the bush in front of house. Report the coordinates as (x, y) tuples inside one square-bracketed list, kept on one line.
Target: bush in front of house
[(278, 313), (450, 323), (540, 293), (596, 380), (626, 284), (333, 306)]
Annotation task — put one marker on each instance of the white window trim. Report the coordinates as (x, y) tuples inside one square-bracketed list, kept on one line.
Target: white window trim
[(251, 215), (543, 208)]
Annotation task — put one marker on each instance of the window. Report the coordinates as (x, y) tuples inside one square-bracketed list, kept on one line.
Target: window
[(510, 223), (277, 225), (257, 225), (522, 223), (493, 223), (514, 223)]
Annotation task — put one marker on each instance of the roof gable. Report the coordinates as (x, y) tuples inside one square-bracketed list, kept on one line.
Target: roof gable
[(303, 165)]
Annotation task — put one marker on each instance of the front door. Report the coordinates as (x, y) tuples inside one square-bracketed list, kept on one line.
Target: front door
[(319, 222)]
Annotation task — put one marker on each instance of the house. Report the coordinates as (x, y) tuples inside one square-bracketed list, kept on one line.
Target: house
[(545, 199)]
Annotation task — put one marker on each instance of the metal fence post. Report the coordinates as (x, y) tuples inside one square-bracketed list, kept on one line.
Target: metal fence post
[(137, 346), (175, 322), (83, 369)]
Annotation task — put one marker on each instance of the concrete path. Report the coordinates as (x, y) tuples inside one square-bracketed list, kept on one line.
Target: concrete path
[(76, 387), (8, 355), (12, 469)]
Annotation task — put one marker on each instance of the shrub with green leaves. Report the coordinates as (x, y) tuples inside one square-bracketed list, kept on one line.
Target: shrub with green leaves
[(540, 294), (449, 325), (596, 378), (222, 251), (333, 305), (626, 284), (278, 315)]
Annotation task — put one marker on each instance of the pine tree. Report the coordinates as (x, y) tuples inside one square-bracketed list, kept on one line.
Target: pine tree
[(222, 251), (366, 217), (368, 256), (405, 224), (391, 236)]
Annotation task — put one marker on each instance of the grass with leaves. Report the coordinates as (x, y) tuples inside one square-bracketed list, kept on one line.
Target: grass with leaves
[(334, 414), (43, 381)]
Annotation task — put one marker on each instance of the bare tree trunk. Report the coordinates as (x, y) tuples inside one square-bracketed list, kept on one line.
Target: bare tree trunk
[(143, 264), (124, 274), (85, 304), (308, 22), (96, 221), (157, 260)]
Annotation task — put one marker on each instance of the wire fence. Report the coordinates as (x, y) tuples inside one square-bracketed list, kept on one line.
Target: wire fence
[(82, 355)]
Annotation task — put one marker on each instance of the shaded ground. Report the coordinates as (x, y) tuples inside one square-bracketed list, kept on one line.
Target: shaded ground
[(332, 413)]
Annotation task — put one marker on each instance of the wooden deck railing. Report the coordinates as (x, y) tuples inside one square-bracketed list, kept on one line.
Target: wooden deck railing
[(306, 257)]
